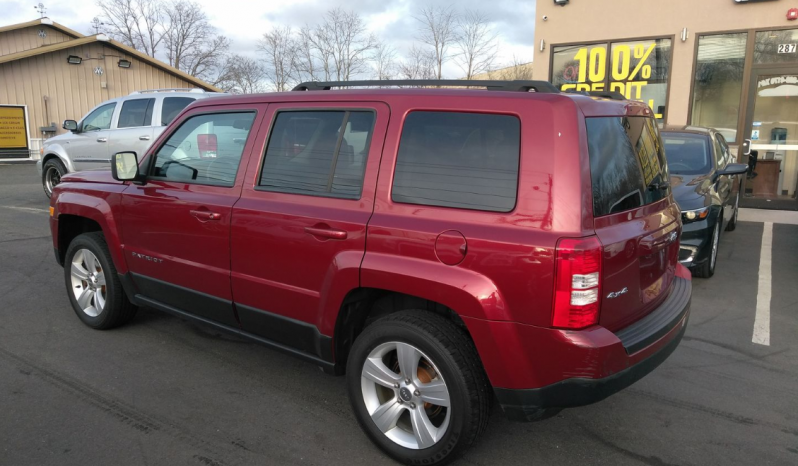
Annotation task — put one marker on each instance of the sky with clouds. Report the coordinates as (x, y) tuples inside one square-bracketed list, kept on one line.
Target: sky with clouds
[(244, 22)]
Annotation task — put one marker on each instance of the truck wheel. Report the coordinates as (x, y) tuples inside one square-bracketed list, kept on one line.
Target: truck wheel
[(92, 284), (417, 387), (52, 171)]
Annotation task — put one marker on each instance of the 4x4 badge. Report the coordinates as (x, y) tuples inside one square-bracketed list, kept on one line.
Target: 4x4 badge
[(615, 294)]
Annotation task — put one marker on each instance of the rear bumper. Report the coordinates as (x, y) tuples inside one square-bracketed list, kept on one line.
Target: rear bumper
[(573, 368)]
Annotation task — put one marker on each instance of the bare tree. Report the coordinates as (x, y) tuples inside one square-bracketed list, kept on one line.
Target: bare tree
[(419, 64), (476, 43), (192, 44), (438, 29), (136, 23), (518, 70), (242, 75), (384, 61), (338, 48), (280, 49)]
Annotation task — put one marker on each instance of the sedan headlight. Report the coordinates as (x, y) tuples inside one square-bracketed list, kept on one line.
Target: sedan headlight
[(694, 215)]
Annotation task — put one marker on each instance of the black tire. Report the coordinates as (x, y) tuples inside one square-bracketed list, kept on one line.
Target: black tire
[(450, 349), (707, 269), (52, 171), (117, 309), (732, 225)]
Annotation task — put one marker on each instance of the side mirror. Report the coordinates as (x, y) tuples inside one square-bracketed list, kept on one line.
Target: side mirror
[(70, 125), (734, 169), (125, 166)]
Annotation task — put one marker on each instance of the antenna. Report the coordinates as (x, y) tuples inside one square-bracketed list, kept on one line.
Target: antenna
[(97, 24), (40, 8)]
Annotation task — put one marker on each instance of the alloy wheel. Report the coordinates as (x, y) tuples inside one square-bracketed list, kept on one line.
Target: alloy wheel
[(52, 178), (405, 395), (88, 282)]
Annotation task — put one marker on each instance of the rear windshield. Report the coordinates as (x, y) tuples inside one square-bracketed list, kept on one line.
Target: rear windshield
[(688, 154), (627, 163)]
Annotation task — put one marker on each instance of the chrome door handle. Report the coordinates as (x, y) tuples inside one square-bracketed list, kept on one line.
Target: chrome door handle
[(144, 138), (204, 215), (326, 233), (102, 139)]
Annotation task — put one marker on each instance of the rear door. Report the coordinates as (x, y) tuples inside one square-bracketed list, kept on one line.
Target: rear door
[(133, 130), (176, 227), (299, 230), (634, 216)]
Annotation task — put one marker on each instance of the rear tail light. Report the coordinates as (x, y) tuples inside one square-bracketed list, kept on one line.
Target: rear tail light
[(206, 143), (577, 283)]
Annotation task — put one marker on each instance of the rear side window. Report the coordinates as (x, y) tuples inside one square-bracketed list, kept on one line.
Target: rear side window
[(172, 106), (462, 160), (321, 153), (688, 154), (205, 149), (136, 113), (627, 163)]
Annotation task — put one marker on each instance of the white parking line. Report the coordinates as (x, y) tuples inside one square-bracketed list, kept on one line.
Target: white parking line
[(762, 319), (27, 209)]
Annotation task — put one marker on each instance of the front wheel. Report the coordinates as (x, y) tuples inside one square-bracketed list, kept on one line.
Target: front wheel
[(417, 387), (92, 284), (52, 171)]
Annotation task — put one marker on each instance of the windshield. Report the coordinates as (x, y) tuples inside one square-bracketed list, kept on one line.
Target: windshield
[(687, 154)]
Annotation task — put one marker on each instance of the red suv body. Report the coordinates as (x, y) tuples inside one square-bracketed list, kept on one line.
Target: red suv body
[(539, 225)]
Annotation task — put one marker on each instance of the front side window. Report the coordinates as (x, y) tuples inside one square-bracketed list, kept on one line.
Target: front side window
[(461, 160), (205, 149), (136, 113), (718, 82), (687, 153), (99, 119), (172, 106), (320, 153), (627, 163)]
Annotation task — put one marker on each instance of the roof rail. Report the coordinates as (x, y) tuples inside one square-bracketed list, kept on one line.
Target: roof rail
[(176, 89), (512, 86), (613, 95)]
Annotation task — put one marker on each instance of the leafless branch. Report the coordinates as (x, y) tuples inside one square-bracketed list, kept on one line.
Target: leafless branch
[(476, 43), (280, 50), (437, 29)]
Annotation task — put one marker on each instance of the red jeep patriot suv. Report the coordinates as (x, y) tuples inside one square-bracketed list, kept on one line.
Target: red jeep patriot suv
[(441, 247)]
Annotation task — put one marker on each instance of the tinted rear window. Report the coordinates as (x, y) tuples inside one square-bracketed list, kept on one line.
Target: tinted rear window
[(688, 154), (627, 163), (172, 106), (463, 160)]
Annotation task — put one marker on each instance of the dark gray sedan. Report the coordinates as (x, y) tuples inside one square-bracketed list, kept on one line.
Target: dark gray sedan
[(706, 183)]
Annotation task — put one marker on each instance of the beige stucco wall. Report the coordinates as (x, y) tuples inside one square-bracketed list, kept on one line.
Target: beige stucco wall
[(28, 38), (72, 90), (591, 20)]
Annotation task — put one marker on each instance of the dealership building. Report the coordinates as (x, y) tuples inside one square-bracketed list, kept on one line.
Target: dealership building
[(726, 64), (50, 73)]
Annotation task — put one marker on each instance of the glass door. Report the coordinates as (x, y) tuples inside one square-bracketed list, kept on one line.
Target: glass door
[(772, 126)]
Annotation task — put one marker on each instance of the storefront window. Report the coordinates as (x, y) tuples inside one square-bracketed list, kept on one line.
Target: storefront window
[(719, 82), (776, 47), (638, 70)]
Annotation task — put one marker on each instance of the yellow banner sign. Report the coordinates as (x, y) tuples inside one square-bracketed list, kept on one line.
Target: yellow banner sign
[(13, 131)]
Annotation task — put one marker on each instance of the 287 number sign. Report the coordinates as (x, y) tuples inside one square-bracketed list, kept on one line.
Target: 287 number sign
[(787, 48)]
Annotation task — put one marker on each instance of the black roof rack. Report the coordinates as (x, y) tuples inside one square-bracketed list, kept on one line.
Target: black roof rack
[(602, 94), (512, 86)]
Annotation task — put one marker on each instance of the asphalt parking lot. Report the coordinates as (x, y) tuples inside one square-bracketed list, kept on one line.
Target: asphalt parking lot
[(163, 391)]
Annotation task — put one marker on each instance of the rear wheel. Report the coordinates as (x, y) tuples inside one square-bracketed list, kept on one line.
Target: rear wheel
[(93, 286), (707, 269), (417, 387), (52, 171)]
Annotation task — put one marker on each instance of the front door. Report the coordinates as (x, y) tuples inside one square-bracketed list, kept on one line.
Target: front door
[(772, 127), (176, 227), (299, 230), (88, 148)]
